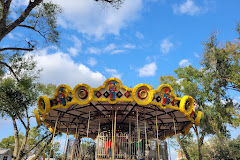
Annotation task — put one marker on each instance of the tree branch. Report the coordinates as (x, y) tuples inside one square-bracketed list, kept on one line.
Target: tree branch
[(202, 138), (41, 150), (183, 147), (6, 6), (24, 142), (32, 28), (21, 18), (37, 144), (16, 49), (10, 68), (23, 123)]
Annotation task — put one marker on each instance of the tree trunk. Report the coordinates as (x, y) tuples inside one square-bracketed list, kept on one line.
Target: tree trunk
[(22, 151), (183, 147), (16, 136), (200, 142)]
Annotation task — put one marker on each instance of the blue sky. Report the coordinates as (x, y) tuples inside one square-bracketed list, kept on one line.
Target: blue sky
[(138, 43)]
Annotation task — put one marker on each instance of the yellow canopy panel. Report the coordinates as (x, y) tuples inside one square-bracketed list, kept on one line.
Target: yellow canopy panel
[(72, 109)]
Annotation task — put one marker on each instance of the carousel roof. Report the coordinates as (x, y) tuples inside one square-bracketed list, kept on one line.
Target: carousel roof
[(75, 109)]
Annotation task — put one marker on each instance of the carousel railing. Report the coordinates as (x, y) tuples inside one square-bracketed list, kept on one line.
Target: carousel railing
[(125, 147)]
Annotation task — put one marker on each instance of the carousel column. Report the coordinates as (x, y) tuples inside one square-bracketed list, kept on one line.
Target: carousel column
[(138, 138), (115, 126), (89, 118), (112, 144), (65, 149), (88, 123), (129, 140), (146, 141), (54, 134), (169, 150), (54, 149), (97, 147), (73, 146), (67, 140), (157, 137)]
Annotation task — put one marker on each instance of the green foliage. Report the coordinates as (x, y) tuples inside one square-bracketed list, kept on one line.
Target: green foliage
[(87, 151), (209, 86), (172, 81), (42, 21), (217, 149), (47, 20), (48, 89), (9, 142), (17, 96), (114, 3), (35, 135)]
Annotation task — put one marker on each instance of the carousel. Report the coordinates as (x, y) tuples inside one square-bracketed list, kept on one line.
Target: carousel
[(124, 123)]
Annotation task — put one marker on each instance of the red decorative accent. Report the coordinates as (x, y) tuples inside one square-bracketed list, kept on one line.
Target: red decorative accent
[(142, 93), (98, 94), (83, 93), (127, 94), (166, 96)]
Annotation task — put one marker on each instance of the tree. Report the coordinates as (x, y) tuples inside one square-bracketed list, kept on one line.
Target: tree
[(209, 87), (17, 97), (38, 16), (18, 87), (35, 135), (8, 143)]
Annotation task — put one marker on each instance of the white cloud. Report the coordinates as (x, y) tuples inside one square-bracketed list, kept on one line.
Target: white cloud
[(139, 35), (129, 46), (188, 8), (14, 36), (93, 50), (184, 63), (77, 47), (236, 99), (114, 73), (17, 3), (117, 51), (91, 18), (196, 55), (59, 68), (166, 46), (179, 80), (92, 61), (148, 58), (110, 47), (11, 36), (148, 70)]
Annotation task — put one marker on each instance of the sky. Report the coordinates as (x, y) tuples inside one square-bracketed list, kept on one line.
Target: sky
[(137, 43)]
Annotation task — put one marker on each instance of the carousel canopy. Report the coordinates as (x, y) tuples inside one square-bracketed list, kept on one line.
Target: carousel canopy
[(86, 111)]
